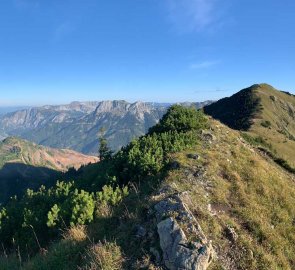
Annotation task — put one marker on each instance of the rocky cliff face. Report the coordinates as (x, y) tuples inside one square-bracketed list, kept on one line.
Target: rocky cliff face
[(40, 116)]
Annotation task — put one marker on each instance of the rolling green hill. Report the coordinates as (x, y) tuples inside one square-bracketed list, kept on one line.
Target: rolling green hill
[(264, 113)]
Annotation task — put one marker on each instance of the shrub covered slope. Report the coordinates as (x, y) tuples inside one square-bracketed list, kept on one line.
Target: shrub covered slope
[(105, 218)]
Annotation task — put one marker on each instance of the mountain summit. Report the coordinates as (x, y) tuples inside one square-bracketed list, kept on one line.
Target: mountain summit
[(263, 112)]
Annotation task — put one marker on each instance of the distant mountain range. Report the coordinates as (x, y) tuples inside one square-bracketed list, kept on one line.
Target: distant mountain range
[(76, 125), (27, 165)]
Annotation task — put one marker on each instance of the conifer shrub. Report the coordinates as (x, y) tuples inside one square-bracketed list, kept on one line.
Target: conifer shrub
[(150, 154), (266, 124), (82, 204), (181, 119), (179, 129), (108, 198), (53, 216), (3, 216), (40, 214), (112, 196)]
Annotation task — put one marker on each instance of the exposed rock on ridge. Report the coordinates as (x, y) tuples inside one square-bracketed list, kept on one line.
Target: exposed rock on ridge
[(182, 240)]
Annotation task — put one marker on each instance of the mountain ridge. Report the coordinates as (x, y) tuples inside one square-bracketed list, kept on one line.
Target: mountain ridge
[(263, 112), (76, 125)]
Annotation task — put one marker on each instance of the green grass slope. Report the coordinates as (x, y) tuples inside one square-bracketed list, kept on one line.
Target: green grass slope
[(243, 201), (263, 112)]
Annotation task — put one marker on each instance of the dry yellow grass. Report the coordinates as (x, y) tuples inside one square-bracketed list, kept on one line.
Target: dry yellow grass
[(76, 233), (245, 191), (105, 256), (279, 110)]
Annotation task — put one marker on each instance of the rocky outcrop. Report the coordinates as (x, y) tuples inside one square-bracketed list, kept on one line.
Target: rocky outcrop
[(182, 241)]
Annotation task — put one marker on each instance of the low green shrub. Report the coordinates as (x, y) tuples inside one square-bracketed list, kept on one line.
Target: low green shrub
[(256, 141), (112, 196), (266, 124), (181, 119)]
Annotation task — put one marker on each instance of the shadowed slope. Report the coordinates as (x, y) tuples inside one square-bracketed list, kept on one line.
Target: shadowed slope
[(15, 178), (24, 164), (237, 111), (263, 112)]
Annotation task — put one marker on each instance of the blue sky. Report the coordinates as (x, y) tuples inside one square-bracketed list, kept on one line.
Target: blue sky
[(152, 50)]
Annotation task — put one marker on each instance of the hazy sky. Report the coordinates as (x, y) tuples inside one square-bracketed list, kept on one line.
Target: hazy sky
[(56, 51)]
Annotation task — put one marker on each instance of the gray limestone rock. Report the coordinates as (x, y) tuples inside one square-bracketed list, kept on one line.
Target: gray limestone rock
[(182, 241)]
